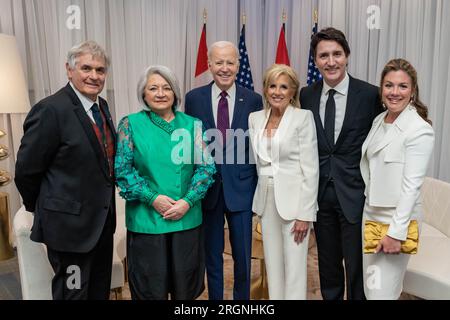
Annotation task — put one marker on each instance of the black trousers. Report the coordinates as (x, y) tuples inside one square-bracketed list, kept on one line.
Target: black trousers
[(84, 276), (338, 241), (166, 264)]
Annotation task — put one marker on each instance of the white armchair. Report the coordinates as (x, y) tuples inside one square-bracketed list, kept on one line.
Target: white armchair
[(35, 270), (428, 272)]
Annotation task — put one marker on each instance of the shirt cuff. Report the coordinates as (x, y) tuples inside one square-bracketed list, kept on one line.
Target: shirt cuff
[(189, 201), (150, 197)]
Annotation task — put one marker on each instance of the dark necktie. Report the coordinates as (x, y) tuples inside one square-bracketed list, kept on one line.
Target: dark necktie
[(223, 119), (330, 117), (98, 118)]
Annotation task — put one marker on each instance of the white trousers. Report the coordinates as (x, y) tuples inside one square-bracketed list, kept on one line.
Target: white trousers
[(285, 260)]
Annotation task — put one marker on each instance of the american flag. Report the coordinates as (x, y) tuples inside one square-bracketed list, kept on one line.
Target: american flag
[(313, 73), (244, 76)]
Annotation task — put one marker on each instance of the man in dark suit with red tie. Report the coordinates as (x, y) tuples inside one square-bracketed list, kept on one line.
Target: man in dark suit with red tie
[(222, 105), (64, 173), (343, 108)]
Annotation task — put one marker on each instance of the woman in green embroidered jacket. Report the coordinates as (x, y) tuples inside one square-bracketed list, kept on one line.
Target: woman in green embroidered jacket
[(163, 170)]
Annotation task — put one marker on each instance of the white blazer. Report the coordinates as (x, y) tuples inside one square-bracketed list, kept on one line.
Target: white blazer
[(295, 164), (399, 167)]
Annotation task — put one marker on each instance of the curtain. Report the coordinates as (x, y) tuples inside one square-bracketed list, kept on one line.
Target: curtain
[(140, 33)]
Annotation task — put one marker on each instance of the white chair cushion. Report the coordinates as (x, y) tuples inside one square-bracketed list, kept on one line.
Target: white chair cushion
[(428, 272)]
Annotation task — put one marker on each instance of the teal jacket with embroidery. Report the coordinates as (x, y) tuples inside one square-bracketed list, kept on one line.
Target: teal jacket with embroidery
[(155, 157)]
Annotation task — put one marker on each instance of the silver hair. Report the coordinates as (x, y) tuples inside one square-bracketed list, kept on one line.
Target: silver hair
[(168, 75), (86, 47), (223, 44)]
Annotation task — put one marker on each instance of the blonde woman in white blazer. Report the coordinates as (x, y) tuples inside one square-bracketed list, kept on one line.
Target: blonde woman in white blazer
[(395, 157), (284, 143)]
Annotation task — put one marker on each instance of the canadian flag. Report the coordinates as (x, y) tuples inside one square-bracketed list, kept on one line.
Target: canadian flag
[(282, 51), (202, 74)]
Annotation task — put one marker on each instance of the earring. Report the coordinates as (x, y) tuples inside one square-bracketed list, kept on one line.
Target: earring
[(412, 102), (384, 106)]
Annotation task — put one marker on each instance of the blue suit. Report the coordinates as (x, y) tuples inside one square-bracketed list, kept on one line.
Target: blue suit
[(231, 195)]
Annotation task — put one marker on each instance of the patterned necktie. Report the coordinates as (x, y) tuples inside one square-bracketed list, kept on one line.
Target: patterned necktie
[(330, 117), (223, 119), (98, 118)]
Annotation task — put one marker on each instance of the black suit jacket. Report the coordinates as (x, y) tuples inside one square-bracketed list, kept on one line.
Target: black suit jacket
[(238, 180), (62, 173), (341, 162)]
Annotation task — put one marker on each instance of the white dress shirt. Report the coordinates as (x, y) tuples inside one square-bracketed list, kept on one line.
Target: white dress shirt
[(215, 97), (86, 102), (340, 98), (266, 157)]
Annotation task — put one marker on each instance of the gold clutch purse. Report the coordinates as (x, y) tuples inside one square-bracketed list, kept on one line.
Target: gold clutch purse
[(374, 231)]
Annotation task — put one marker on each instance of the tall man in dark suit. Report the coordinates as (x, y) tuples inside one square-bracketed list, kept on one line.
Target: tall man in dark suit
[(64, 173), (223, 105), (343, 108)]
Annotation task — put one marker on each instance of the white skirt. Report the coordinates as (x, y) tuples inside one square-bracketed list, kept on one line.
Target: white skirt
[(383, 274)]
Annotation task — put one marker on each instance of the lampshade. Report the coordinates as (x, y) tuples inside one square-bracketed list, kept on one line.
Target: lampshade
[(13, 87)]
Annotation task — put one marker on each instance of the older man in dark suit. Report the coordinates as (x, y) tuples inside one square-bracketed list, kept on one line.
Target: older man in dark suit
[(343, 108), (223, 105), (64, 173)]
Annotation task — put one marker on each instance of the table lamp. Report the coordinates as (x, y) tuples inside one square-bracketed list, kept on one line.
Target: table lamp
[(13, 99)]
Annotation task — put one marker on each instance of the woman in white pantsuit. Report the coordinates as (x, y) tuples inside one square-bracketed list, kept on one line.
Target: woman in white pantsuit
[(284, 143), (394, 162)]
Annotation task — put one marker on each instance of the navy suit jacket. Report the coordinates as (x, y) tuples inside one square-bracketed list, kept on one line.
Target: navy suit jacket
[(341, 162), (238, 180)]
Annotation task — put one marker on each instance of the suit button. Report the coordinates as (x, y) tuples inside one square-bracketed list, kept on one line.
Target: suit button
[(109, 185), (105, 207)]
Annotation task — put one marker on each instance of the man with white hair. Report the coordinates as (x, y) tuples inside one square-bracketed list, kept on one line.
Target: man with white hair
[(224, 107), (64, 173)]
